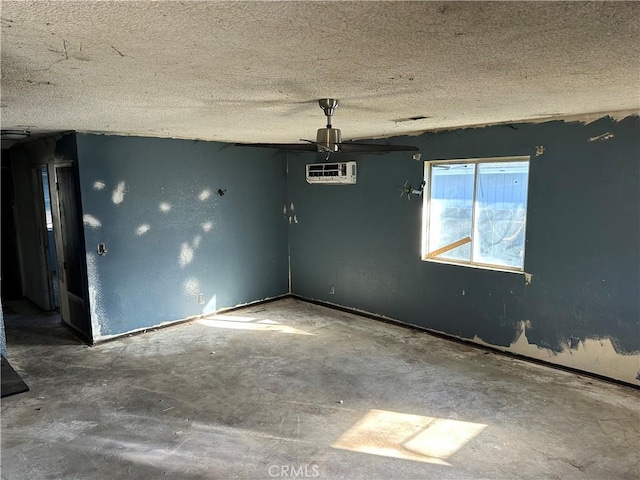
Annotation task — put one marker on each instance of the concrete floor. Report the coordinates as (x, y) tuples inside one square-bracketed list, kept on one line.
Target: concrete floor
[(293, 390)]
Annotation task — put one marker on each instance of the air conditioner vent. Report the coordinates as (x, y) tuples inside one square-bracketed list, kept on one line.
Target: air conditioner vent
[(342, 173)]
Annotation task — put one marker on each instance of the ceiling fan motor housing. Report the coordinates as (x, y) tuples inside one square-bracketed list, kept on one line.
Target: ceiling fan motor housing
[(329, 138)]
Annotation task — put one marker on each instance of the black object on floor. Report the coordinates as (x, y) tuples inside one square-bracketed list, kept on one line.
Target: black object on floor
[(10, 380)]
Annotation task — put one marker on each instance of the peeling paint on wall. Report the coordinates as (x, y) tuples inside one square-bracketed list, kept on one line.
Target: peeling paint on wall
[(164, 207), (204, 195), (583, 118), (99, 185), (589, 355), (207, 226)]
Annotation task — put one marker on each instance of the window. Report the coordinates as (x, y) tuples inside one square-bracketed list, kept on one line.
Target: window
[(47, 197), (475, 212)]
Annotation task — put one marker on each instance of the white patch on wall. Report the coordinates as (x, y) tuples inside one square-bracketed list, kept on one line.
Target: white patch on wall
[(117, 196), (591, 355), (207, 226), (191, 287), (196, 241), (204, 194), (142, 229), (186, 255), (91, 221), (99, 185), (604, 136), (96, 305), (164, 207)]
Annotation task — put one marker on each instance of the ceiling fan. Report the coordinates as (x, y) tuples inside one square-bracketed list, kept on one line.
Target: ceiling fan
[(329, 139)]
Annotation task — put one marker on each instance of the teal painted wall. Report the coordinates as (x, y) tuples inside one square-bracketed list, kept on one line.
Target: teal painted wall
[(170, 237), (582, 241)]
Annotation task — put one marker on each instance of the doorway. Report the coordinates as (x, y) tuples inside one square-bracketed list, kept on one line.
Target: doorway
[(44, 218), (43, 253), (69, 240)]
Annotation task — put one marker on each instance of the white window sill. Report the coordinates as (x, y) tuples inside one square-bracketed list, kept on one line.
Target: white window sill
[(462, 263)]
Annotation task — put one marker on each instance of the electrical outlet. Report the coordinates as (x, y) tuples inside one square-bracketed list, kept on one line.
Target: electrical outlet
[(332, 290)]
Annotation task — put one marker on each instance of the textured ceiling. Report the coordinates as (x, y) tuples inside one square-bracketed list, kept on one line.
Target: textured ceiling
[(252, 71)]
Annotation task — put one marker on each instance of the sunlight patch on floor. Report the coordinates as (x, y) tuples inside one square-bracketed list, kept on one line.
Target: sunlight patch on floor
[(248, 323), (406, 436)]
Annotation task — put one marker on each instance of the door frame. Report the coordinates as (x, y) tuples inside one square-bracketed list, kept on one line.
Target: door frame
[(41, 225), (65, 297)]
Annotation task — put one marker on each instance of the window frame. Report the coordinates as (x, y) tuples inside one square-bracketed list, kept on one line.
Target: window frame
[(424, 254)]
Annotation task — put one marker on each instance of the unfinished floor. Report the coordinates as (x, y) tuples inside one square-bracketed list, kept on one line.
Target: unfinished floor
[(289, 389)]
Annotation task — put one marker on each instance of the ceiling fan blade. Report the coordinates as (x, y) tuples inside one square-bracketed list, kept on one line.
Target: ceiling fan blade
[(306, 147), (320, 147), (374, 148)]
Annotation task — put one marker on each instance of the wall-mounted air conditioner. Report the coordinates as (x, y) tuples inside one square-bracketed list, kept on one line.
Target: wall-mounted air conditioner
[(341, 173)]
